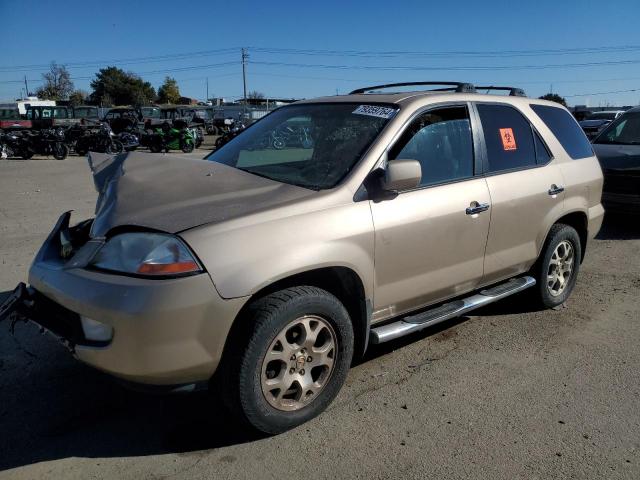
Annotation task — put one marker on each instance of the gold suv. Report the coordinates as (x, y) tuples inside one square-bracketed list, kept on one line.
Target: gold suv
[(328, 225)]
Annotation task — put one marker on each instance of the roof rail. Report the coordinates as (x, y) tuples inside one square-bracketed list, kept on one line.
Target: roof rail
[(513, 91), (460, 87)]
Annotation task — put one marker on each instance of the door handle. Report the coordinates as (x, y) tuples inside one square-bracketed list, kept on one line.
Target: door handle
[(476, 207), (555, 189)]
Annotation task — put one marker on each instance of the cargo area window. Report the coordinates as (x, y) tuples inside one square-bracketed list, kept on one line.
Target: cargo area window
[(566, 130), (441, 141), (508, 137)]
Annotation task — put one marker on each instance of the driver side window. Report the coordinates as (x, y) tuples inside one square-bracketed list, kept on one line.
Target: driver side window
[(441, 141)]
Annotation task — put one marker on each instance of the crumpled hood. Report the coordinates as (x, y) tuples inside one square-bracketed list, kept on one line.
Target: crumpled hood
[(173, 193)]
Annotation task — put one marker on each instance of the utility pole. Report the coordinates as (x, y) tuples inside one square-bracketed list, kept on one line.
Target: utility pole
[(207, 99), (26, 86), (245, 55)]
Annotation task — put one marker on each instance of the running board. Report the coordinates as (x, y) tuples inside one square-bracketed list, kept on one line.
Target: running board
[(420, 321)]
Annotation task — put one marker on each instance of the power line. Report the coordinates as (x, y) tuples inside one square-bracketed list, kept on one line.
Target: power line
[(126, 61), (339, 53), (463, 53), (602, 93), (448, 68)]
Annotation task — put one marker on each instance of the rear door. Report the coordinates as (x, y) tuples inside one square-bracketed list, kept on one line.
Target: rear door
[(526, 188)]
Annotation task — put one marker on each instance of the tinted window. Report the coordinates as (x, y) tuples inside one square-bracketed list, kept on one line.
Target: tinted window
[(441, 141), (624, 131), (508, 137), (542, 154), (566, 130)]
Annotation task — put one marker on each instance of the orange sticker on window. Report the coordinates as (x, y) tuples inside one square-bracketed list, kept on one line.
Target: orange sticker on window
[(508, 140)]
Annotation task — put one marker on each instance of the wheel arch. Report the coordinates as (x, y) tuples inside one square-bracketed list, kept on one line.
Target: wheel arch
[(342, 282), (579, 221)]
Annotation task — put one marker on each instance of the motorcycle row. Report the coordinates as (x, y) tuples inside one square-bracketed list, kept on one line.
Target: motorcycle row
[(59, 142)]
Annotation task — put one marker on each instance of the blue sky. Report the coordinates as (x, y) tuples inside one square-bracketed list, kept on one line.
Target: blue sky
[(306, 49)]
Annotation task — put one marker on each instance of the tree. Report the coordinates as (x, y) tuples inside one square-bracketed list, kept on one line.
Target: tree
[(255, 95), (169, 91), (78, 97), (554, 97), (57, 83), (113, 85)]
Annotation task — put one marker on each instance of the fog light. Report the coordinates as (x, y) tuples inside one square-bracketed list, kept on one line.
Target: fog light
[(96, 331)]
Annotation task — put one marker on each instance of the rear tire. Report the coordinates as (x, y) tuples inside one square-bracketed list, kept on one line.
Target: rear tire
[(557, 268), (60, 151), (291, 363), (27, 154)]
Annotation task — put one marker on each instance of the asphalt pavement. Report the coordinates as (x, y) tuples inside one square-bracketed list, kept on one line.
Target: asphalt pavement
[(511, 392)]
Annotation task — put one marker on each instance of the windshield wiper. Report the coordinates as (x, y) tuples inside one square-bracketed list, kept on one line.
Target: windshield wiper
[(279, 180)]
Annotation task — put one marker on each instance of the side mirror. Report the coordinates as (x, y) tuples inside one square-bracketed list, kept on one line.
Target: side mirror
[(402, 175)]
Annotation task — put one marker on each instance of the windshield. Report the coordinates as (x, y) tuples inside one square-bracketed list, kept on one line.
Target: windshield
[(624, 131), (86, 112), (311, 145), (602, 116)]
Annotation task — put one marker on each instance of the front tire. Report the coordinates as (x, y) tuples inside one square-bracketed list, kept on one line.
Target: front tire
[(114, 147), (187, 146), (292, 363), (557, 268)]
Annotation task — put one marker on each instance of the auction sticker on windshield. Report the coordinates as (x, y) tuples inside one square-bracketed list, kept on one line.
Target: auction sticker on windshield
[(375, 111)]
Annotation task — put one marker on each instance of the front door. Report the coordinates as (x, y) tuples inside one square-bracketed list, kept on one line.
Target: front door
[(430, 241)]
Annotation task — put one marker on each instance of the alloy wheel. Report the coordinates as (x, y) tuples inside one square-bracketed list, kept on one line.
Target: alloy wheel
[(298, 363), (560, 268)]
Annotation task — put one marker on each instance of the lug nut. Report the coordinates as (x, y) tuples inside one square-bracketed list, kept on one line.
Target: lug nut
[(292, 370), (293, 357), (302, 372), (309, 359)]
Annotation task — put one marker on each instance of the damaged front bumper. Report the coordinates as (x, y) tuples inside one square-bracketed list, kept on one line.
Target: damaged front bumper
[(162, 332), (26, 304)]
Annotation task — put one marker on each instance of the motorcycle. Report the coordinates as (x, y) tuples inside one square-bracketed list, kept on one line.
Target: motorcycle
[(230, 135), (103, 141), (198, 137), (169, 138), (27, 143)]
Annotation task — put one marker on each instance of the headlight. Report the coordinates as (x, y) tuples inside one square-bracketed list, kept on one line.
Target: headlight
[(151, 254)]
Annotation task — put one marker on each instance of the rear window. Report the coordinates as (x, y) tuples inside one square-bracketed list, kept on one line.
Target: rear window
[(566, 130)]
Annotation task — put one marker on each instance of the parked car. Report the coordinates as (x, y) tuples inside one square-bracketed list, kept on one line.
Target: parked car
[(123, 119), (594, 123), (44, 116), (618, 150), (265, 271), (87, 114)]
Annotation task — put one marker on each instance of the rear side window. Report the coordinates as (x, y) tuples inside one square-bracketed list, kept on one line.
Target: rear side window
[(566, 130), (508, 137), (542, 154)]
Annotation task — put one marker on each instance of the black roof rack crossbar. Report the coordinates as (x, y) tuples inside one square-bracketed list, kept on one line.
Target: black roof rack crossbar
[(513, 91), (460, 87)]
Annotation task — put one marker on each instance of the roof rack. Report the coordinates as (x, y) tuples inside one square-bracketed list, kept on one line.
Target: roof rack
[(459, 87), (513, 91)]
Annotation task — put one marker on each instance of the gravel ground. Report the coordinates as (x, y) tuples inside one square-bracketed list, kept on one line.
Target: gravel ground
[(507, 393)]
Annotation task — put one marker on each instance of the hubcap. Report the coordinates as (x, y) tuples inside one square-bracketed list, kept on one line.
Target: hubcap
[(298, 363), (560, 268)]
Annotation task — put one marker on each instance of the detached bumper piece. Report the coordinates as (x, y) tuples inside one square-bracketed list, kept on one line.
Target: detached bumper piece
[(27, 304)]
